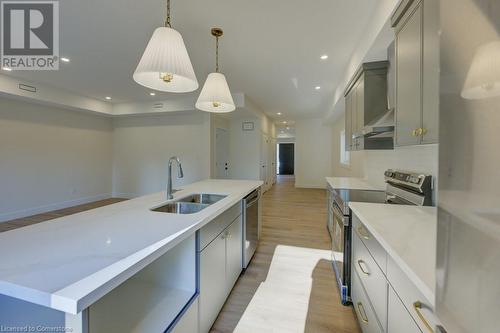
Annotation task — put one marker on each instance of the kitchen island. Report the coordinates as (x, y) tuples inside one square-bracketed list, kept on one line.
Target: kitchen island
[(62, 271)]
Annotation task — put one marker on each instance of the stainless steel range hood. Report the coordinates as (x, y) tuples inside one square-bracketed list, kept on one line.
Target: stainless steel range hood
[(383, 126), (380, 127)]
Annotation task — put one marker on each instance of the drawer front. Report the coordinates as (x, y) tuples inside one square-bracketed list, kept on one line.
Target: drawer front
[(400, 319), (416, 304), (371, 277), (366, 317), (221, 222), (376, 250)]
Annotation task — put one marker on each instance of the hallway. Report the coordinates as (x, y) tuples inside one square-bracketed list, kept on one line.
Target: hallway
[(290, 284)]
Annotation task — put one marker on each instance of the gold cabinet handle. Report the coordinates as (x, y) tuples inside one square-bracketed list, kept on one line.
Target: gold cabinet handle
[(418, 307), (361, 233), (361, 267), (362, 312), (423, 131), (414, 132)]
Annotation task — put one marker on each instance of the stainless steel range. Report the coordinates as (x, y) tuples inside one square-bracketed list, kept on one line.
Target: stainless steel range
[(405, 188)]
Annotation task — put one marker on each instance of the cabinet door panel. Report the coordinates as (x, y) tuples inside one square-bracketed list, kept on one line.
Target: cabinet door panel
[(360, 105), (212, 282), (348, 122), (354, 115), (234, 247), (430, 109), (409, 79), (399, 320)]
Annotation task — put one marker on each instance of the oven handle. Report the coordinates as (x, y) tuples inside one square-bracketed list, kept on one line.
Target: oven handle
[(254, 197), (338, 213)]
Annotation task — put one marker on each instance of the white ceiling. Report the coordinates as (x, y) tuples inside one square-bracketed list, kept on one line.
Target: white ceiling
[(270, 50)]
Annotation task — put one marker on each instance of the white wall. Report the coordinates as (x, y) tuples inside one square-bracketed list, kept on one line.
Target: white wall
[(313, 153), (413, 158), (244, 150), (51, 158), (371, 164), (356, 167), (216, 121), (142, 146)]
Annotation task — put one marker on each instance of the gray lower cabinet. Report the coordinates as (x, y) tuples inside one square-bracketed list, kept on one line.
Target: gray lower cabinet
[(383, 296), (417, 72), (399, 319), (363, 308), (220, 264), (212, 282)]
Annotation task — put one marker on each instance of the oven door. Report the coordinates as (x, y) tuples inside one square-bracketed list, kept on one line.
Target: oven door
[(341, 252), (329, 223)]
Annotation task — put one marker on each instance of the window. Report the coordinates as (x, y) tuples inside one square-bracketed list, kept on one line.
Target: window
[(345, 156)]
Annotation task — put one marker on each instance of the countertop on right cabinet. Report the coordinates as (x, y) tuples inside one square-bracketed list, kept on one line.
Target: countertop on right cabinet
[(408, 234)]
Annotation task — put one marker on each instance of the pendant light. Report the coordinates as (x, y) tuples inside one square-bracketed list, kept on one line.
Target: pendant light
[(483, 77), (165, 64), (215, 95)]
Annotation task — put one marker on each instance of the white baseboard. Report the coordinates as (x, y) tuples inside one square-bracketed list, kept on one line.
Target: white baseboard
[(310, 186), (55, 206)]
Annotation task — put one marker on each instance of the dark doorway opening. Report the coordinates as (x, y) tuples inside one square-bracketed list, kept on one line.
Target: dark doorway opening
[(286, 158)]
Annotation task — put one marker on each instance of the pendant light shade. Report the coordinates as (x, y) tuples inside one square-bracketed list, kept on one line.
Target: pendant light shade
[(215, 95), (483, 78), (165, 64)]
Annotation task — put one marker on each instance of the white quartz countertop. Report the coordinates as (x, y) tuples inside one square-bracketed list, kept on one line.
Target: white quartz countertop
[(70, 262), (351, 183), (408, 234)]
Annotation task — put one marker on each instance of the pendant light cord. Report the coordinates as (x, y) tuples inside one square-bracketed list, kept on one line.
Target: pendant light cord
[(217, 54), (167, 21)]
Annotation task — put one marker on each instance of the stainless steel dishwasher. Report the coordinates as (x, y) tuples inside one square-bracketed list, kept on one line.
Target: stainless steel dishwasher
[(251, 221)]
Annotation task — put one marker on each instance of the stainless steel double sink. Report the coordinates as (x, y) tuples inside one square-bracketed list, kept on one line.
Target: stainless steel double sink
[(190, 204)]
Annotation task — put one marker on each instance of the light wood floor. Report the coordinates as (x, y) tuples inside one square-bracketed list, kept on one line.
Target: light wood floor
[(25, 221), (290, 284)]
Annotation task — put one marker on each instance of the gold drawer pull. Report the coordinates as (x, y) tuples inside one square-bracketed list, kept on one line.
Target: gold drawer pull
[(361, 233), (362, 312), (418, 306), (361, 267)]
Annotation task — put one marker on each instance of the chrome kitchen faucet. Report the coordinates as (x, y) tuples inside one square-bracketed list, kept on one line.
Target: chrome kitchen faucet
[(180, 174)]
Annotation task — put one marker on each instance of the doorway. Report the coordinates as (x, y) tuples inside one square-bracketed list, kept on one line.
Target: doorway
[(221, 153), (286, 159)]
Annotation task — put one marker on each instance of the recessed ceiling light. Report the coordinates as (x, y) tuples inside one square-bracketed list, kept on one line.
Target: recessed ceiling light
[(108, 98), (317, 87), (279, 113), (152, 93), (284, 122), (324, 57), (7, 69), (64, 59)]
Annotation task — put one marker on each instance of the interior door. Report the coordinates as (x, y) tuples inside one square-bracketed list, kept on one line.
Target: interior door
[(286, 158), (263, 160), (222, 153)]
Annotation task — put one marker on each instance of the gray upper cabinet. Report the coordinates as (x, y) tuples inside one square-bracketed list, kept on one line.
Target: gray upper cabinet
[(417, 74), (348, 122), (365, 101)]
